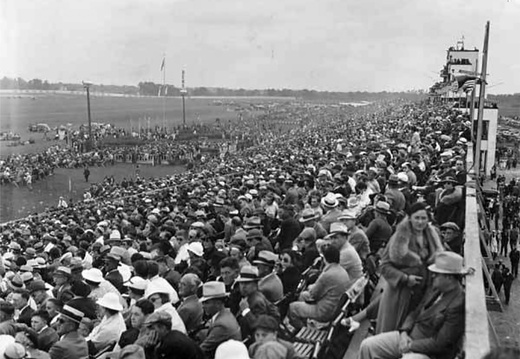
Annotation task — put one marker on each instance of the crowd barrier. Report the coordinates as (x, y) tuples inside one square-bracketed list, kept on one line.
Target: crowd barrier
[(477, 339)]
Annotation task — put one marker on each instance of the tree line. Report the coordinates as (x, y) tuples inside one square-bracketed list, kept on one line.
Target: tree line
[(149, 88)]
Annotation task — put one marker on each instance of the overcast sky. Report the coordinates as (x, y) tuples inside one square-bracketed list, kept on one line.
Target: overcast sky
[(337, 45)]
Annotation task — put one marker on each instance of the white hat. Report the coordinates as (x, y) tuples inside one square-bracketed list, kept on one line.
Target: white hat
[(403, 177), (110, 301), (115, 234), (231, 349), (94, 275), (137, 283), (196, 248), (330, 200)]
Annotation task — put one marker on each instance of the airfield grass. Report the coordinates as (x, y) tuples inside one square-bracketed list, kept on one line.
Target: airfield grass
[(17, 113), (20, 202)]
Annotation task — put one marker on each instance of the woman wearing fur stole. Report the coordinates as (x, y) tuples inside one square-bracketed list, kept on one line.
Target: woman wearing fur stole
[(404, 267)]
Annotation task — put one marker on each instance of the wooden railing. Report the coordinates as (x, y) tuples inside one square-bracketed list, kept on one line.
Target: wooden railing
[(477, 331)]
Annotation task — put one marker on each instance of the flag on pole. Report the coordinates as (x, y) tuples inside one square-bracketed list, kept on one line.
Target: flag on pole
[(163, 63)]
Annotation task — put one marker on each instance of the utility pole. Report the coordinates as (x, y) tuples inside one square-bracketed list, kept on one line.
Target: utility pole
[(90, 143), (481, 102), (183, 94)]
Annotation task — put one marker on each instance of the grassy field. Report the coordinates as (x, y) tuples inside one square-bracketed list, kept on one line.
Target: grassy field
[(17, 113), (20, 202)]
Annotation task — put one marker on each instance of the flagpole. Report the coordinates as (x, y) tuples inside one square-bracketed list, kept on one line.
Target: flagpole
[(472, 108), (164, 95), (481, 100)]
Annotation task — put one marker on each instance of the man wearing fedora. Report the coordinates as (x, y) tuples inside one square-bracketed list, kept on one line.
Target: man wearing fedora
[(254, 302), (223, 325), (349, 258), (394, 196), (270, 284), (435, 327), (356, 237), (308, 219), (71, 344), (379, 230), (330, 206), (289, 228)]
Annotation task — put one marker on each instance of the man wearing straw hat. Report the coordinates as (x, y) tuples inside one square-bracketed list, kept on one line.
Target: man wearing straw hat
[(71, 345), (223, 324), (435, 327)]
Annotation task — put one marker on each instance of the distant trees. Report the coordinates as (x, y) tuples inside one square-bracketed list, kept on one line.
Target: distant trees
[(149, 88)]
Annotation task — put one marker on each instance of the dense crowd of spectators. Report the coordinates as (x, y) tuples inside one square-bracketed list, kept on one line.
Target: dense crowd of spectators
[(209, 263)]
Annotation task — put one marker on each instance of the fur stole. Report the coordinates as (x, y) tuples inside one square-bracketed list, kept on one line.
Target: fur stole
[(401, 252)]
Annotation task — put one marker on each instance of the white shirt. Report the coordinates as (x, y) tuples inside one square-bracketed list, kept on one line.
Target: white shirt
[(108, 331)]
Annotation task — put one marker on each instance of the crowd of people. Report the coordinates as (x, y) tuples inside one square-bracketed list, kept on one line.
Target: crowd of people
[(210, 263)]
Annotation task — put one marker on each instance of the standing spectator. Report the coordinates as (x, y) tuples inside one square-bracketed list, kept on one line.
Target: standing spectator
[(289, 228), (23, 311), (412, 247), (86, 173), (497, 278), (514, 256), (508, 282), (504, 241)]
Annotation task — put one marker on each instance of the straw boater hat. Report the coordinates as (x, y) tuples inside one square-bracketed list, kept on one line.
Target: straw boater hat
[(449, 179), (71, 313), (448, 263), (307, 215), (267, 258), (213, 290), (248, 274), (330, 200), (110, 301)]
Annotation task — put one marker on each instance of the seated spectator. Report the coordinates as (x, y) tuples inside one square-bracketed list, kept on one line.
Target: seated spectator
[(223, 325), (269, 284), (436, 326), (322, 298), (29, 339), (231, 349), (266, 330), (451, 238), (253, 302), (356, 237), (23, 311), (190, 309), (112, 323), (140, 312), (306, 245), (348, 256), (46, 335), (160, 297), (160, 341), (288, 271), (71, 345), (7, 324), (379, 230), (229, 270)]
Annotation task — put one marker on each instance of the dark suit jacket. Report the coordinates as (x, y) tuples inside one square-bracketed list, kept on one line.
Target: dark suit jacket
[(436, 327), (71, 346), (191, 312), (25, 316), (116, 279), (47, 338), (223, 328)]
